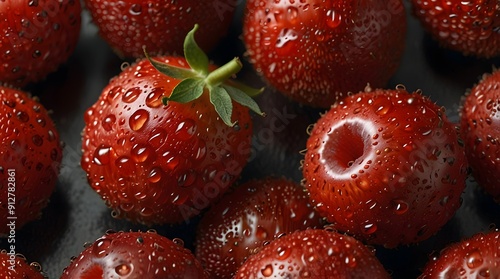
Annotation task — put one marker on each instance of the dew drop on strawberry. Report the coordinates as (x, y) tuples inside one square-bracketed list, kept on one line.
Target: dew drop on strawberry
[(138, 119)]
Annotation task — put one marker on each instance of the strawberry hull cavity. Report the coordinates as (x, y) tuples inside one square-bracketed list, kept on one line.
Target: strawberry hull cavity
[(385, 159)]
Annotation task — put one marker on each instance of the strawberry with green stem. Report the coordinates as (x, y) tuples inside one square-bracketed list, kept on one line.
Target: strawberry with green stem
[(154, 163)]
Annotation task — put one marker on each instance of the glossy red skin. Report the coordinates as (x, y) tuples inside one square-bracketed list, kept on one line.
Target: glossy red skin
[(160, 164), (160, 25), (135, 255), (480, 126), (311, 253), (36, 39), (382, 160), (316, 56), (15, 266), (256, 212), (30, 158), (470, 27), (476, 257)]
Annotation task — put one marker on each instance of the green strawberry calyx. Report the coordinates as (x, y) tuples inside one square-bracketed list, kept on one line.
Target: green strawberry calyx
[(221, 88)]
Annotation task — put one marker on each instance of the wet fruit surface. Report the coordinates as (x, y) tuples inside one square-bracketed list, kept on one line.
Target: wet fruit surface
[(383, 159), (476, 257), (470, 27), (313, 254), (30, 159), (480, 125), (335, 47), (255, 213), (157, 164), (76, 214), (135, 255)]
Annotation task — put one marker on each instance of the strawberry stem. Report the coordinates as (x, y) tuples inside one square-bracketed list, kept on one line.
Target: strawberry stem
[(223, 73)]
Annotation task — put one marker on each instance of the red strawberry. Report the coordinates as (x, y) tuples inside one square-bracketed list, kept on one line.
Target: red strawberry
[(13, 266), (470, 27), (385, 159), (256, 212), (159, 25), (480, 126), (317, 254), (316, 51), (476, 257), (36, 38), (135, 255), (163, 164), (30, 156)]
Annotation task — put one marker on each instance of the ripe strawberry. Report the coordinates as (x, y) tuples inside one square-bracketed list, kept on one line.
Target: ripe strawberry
[(316, 51), (135, 255), (30, 156), (470, 27), (385, 159), (36, 38), (313, 254), (14, 266), (159, 25), (476, 257), (480, 127), (256, 212), (163, 164)]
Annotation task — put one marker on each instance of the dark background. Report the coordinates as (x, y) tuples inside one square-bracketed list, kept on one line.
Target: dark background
[(77, 215)]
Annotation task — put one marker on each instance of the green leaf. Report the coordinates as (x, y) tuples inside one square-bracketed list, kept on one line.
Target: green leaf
[(243, 99), (186, 91), (249, 91), (196, 58), (222, 104), (169, 70)]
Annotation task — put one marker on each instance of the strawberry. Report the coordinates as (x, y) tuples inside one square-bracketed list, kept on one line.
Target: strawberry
[(135, 255), (36, 38), (13, 265), (30, 153), (153, 163), (316, 51), (313, 254), (254, 213), (469, 27), (481, 132), (385, 159), (159, 25), (475, 257)]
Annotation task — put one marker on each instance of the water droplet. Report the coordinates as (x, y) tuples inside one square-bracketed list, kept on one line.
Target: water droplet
[(285, 38), (154, 99), (178, 242), (292, 14), (146, 212), (141, 153), (123, 269), (155, 175), (400, 206), (158, 137), (37, 140), (283, 253), (124, 164), (369, 228), (100, 247), (350, 261), (101, 155), (333, 18), (267, 271), (23, 116), (108, 121), (135, 9), (113, 93), (186, 129), (474, 260), (131, 95), (187, 178), (138, 119)]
